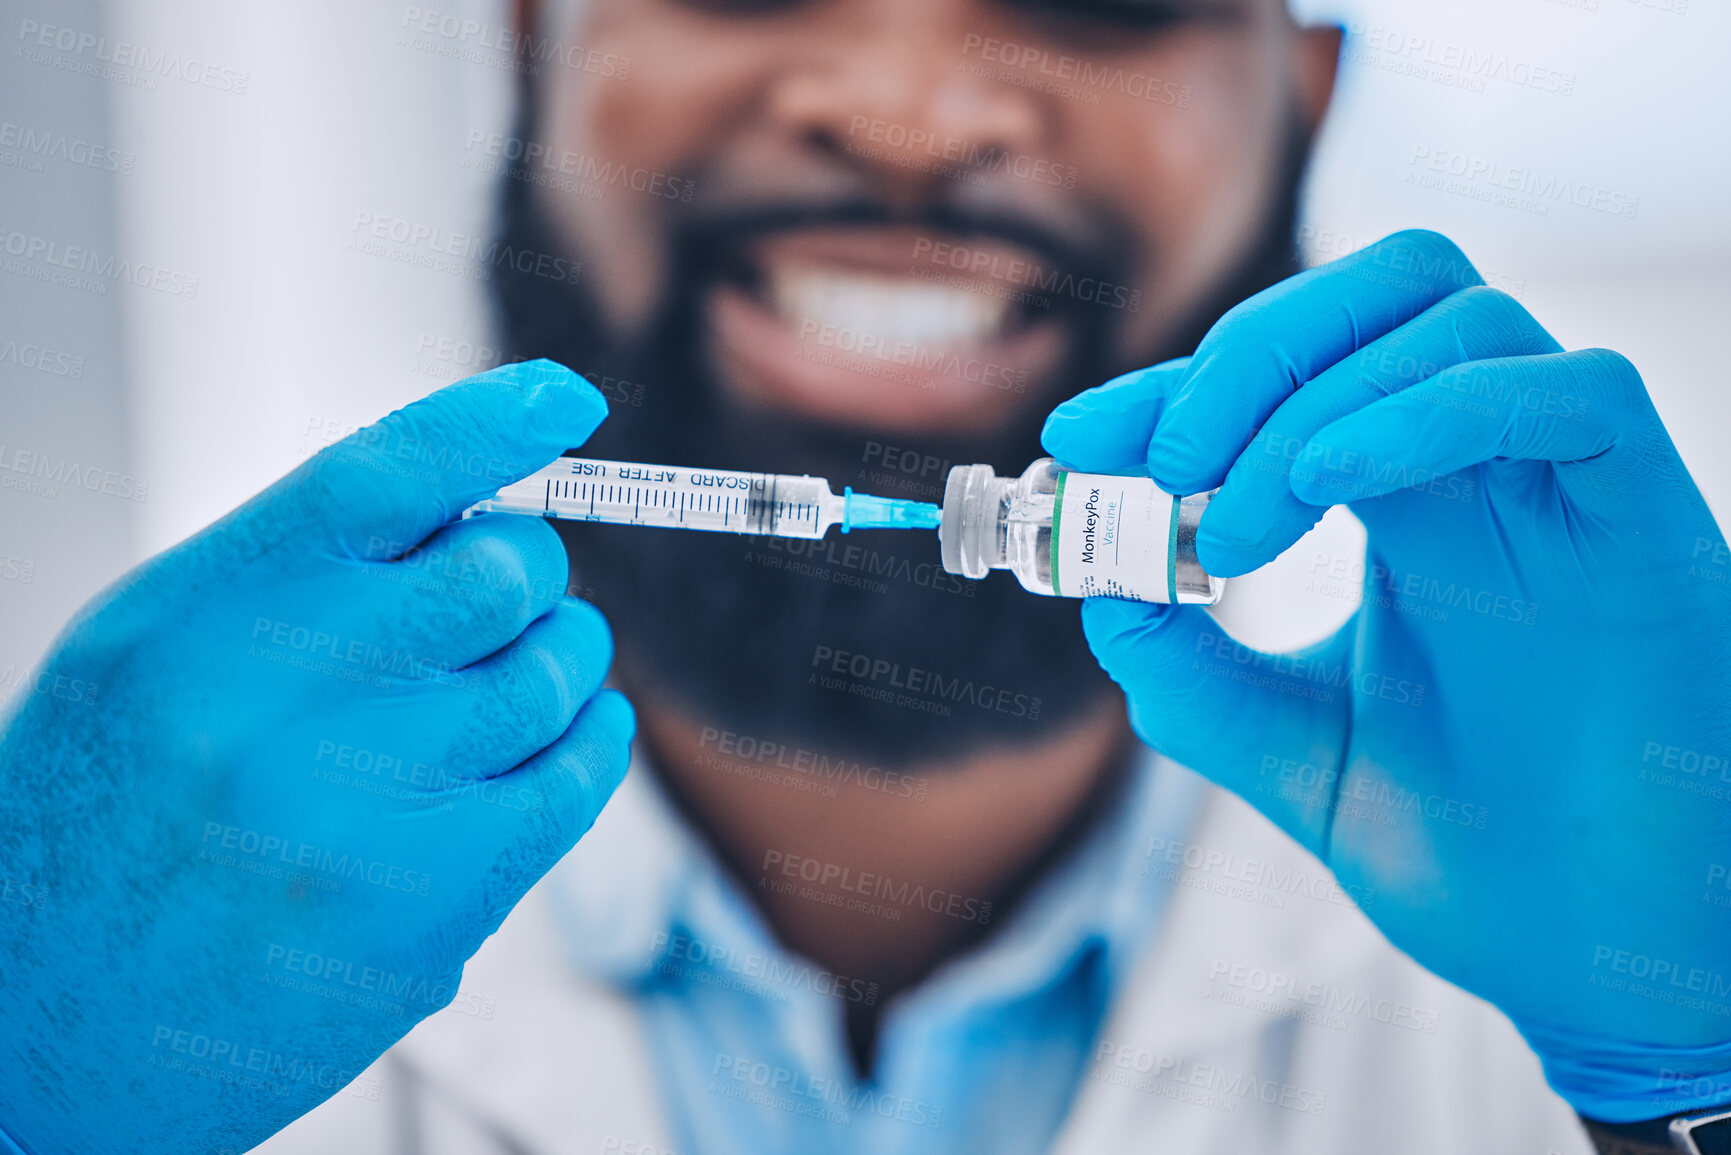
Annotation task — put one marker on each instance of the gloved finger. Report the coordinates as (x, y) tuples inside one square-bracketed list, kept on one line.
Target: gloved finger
[(1265, 348), (406, 475), (473, 586), (568, 782), (1239, 717), (1580, 410), (1257, 515), (504, 709), (1106, 429)]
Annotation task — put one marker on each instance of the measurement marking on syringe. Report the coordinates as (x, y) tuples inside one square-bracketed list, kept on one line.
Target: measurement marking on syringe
[(758, 510)]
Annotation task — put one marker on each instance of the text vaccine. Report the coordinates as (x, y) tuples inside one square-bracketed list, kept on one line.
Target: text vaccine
[(1076, 535)]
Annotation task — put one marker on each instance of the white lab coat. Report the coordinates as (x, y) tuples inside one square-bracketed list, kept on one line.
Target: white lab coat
[(1376, 1056)]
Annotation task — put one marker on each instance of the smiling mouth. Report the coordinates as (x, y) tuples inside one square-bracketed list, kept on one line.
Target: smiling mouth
[(894, 310), (858, 326)]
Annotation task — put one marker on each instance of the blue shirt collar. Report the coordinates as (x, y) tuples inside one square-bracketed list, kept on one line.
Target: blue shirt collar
[(750, 1043), (642, 878)]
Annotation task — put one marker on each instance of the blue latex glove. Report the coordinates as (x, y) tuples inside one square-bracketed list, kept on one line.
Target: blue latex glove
[(277, 784), (1509, 741)]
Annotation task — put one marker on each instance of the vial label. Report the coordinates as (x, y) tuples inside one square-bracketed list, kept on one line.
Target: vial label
[(1114, 537)]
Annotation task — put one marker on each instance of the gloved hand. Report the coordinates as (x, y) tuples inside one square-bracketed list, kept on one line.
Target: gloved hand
[(279, 782), (1522, 740)]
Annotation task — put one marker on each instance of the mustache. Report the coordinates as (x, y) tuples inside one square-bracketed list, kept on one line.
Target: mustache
[(720, 236)]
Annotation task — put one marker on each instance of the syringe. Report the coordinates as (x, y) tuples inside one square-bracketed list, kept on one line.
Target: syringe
[(722, 500)]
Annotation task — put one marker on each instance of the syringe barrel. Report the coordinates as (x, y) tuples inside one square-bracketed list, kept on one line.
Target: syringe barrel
[(676, 496)]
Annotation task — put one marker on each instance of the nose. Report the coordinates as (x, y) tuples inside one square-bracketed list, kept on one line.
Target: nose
[(889, 88)]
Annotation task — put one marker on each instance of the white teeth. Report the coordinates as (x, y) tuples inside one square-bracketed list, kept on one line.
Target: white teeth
[(893, 309)]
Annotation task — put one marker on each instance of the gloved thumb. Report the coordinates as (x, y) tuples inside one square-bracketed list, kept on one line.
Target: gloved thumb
[(1233, 714), (1106, 429)]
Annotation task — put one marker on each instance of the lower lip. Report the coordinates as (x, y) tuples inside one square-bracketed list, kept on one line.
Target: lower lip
[(844, 378)]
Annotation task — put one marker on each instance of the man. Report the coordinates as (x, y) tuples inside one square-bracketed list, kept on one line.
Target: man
[(971, 912)]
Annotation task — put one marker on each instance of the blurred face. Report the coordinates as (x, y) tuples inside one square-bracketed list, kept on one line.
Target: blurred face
[(862, 233), (909, 214)]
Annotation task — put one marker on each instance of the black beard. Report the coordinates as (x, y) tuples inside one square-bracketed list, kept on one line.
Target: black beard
[(858, 646)]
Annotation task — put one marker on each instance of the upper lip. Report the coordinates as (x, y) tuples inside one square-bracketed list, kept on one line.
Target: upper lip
[(729, 242)]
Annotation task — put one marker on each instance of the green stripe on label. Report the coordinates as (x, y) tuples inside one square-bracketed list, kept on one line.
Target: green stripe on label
[(1052, 546), (1172, 557)]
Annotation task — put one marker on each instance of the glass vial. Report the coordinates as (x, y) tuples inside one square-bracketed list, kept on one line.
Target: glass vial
[(1069, 534)]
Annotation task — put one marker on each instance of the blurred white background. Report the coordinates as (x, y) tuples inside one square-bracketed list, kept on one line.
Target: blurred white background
[(293, 338)]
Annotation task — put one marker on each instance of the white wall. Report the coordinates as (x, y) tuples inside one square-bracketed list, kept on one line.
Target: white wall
[(297, 337), (63, 403)]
